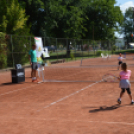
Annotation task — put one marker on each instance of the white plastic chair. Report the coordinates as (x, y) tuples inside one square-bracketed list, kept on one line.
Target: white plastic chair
[(108, 56), (103, 57)]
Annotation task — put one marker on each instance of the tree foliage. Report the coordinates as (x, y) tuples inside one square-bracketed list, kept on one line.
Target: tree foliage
[(35, 10), (12, 17), (91, 19), (3, 21), (3, 51), (68, 18), (128, 26), (103, 19)]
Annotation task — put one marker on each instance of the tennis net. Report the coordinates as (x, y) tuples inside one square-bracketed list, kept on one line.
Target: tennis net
[(106, 61), (92, 73)]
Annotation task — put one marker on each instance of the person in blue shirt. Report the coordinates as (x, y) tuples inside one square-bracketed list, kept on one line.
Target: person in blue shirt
[(33, 63)]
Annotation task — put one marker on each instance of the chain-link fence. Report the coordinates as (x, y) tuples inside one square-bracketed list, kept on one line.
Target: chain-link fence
[(14, 49)]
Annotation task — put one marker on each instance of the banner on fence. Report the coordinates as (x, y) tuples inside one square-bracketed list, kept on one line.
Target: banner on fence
[(40, 50), (39, 46), (45, 52)]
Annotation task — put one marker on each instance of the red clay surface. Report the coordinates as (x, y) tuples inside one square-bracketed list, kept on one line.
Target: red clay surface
[(30, 108)]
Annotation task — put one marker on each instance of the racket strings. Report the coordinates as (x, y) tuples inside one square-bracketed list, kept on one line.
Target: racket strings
[(109, 78)]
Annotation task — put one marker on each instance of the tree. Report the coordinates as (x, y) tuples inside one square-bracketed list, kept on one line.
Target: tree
[(103, 19), (35, 10), (64, 19), (13, 17), (3, 21), (127, 26), (73, 19), (68, 18), (3, 51), (55, 18)]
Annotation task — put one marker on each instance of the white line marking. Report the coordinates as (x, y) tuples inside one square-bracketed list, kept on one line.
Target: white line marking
[(57, 120), (124, 123), (16, 90), (68, 96)]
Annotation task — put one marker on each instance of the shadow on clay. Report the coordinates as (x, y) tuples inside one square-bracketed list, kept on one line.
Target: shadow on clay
[(10, 83), (107, 108)]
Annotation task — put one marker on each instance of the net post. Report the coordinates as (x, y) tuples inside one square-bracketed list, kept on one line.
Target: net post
[(42, 74), (81, 61), (40, 70)]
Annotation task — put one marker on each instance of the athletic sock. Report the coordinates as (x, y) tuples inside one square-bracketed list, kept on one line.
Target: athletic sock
[(132, 101), (32, 78), (120, 99)]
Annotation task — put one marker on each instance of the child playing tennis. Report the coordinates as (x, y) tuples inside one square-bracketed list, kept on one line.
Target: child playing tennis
[(124, 77), (120, 58)]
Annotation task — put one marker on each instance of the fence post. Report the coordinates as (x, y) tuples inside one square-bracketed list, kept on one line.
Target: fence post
[(94, 48), (75, 49), (30, 43), (12, 51), (67, 48), (88, 48), (82, 48), (56, 50)]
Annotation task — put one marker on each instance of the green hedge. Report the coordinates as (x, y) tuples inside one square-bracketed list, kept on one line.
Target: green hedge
[(98, 53)]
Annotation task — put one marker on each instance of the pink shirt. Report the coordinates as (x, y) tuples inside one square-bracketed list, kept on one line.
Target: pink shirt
[(125, 75)]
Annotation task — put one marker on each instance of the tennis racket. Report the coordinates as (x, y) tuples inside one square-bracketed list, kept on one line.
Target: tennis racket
[(110, 78)]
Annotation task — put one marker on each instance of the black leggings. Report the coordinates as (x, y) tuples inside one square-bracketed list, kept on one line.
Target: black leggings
[(120, 62), (128, 90)]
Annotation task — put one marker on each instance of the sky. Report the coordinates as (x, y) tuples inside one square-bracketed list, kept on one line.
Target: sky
[(124, 4)]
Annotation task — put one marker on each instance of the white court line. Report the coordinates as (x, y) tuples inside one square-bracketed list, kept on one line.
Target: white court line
[(37, 103), (68, 96), (16, 90), (86, 121)]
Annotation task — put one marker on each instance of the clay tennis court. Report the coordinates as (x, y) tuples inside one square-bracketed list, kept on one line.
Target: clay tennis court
[(67, 107)]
